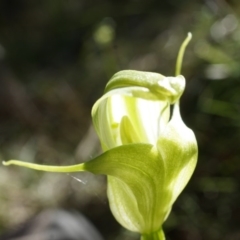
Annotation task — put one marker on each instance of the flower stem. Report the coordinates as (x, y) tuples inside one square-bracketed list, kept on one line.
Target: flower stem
[(159, 235), (181, 53)]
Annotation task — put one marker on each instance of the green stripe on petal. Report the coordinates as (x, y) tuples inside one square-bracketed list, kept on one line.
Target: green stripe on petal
[(178, 147), (137, 169), (148, 117), (128, 133)]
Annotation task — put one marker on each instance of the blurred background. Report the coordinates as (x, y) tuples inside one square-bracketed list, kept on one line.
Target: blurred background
[(55, 59)]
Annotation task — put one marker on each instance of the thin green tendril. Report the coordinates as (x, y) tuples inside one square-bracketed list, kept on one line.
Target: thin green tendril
[(181, 53), (72, 168)]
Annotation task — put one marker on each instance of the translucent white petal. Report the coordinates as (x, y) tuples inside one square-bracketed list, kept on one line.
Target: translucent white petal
[(151, 117), (147, 116)]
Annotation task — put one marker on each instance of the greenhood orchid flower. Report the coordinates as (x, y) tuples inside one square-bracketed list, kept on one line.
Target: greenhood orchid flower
[(148, 154)]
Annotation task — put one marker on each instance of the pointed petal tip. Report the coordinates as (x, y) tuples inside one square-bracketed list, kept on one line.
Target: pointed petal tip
[(4, 163), (8, 162), (189, 35)]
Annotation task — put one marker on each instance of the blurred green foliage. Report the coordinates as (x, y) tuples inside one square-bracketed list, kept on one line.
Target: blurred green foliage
[(55, 59)]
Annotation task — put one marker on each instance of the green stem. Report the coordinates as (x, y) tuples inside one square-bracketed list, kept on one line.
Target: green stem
[(181, 53), (159, 235)]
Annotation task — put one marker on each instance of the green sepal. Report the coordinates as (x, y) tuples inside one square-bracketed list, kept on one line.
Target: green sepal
[(133, 174), (135, 179), (178, 147)]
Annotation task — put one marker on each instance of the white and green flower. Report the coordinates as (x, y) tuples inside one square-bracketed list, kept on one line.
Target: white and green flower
[(148, 155)]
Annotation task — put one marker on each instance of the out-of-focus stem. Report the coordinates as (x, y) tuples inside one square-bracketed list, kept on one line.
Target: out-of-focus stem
[(159, 235)]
